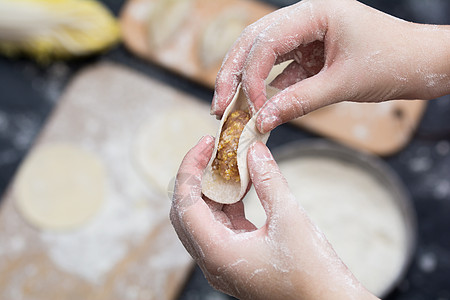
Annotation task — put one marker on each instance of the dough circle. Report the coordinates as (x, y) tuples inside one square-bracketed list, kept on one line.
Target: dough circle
[(219, 35), (59, 187), (165, 19), (163, 140)]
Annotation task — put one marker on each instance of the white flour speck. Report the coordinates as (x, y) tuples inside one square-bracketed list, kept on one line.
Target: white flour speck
[(442, 189), (420, 164), (427, 262), (92, 251), (443, 148)]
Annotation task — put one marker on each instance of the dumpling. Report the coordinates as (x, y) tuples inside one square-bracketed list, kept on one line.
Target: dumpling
[(226, 178)]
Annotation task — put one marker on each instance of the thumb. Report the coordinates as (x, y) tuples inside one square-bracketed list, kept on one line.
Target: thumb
[(298, 100), (270, 185)]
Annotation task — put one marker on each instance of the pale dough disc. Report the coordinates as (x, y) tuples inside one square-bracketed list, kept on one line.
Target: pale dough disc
[(163, 140), (219, 36), (59, 186), (165, 19)]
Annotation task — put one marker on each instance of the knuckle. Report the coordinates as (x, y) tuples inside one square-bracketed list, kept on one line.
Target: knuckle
[(272, 108), (298, 105), (267, 177)]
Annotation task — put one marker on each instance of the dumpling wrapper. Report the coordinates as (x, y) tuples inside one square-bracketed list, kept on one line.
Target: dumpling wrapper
[(214, 186)]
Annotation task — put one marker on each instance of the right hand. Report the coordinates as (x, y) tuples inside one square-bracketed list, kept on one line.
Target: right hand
[(342, 50)]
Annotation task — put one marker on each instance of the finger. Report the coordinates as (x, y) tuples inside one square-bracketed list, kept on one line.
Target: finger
[(206, 232), (300, 99), (199, 230), (189, 179), (192, 217), (183, 234), (230, 73), (270, 185), (297, 28), (189, 176)]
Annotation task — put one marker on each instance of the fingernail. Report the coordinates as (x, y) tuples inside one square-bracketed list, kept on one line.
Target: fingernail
[(207, 139), (252, 150), (213, 110), (254, 146)]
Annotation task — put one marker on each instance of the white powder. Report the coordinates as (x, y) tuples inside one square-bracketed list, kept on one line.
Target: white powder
[(355, 212), (428, 262), (51, 81), (128, 250), (420, 164), (132, 209), (443, 148), (441, 189), (93, 250)]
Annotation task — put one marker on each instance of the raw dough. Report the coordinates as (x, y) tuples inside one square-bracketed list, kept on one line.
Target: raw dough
[(165, 19), (219, 36), (59, 186), (356, 213), (213, 185), (163, 140)]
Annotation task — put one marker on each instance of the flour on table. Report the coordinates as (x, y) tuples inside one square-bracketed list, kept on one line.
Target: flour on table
[(92, 251)]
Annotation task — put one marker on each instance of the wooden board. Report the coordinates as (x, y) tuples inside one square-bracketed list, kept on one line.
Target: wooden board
[(382, 130), (127, 250), (182, 53)]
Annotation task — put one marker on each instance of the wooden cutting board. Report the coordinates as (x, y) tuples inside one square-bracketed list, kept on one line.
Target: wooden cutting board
[(126, 250), (380, 129), (182, 52)]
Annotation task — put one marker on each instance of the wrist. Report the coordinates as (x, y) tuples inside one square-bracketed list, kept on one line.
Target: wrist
[(343, 287), (327, 277)]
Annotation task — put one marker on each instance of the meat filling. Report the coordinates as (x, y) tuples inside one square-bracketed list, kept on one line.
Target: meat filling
[(225, 162)]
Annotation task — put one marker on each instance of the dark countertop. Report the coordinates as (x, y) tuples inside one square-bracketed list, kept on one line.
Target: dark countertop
[(28, 93)]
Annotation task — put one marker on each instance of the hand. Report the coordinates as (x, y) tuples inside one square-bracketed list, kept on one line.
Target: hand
[(288, 258), (341, 50)]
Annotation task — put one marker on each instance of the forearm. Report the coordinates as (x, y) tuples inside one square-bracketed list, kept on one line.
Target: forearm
[(429, 62)]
